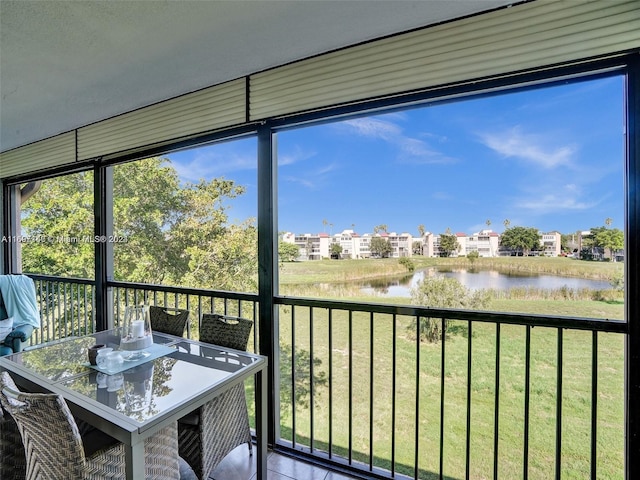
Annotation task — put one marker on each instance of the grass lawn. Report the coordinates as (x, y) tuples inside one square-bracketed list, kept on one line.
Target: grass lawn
[(362, 348)]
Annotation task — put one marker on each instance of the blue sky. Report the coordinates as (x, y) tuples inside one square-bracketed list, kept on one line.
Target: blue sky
[(550, 158)]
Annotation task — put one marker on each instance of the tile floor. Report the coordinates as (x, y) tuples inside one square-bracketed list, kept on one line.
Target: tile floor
[(238, 465)]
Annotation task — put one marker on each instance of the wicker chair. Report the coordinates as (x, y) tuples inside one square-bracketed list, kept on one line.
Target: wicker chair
[(168, 320), (219, 426), (13, 465), (54, 448)]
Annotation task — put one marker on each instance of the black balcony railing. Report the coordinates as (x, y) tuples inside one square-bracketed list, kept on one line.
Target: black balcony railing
[(491, 395), (66, 307), (394, 405)]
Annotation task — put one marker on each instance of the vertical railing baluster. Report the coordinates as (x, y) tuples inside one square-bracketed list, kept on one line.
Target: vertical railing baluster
[(371, 385), (87, 328), (256, 327), (330, 379), (77, 329), (78, 315), (311, 382), (117, 305), (293, 375), (559, 410), (496, 414), (416, 419), (188, 307), (594, 403), (394, 371), (65, 310), (42, 313), (50, 312), (442, 374), (527, 392), (350, 453), (59, 329), (468, 435), (199, 313)]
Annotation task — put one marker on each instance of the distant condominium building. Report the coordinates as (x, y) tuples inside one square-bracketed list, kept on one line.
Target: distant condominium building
[(485, 242), (353, 245)]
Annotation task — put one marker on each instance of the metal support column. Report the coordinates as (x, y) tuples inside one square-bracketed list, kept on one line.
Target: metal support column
[(268, 269), (632, 278), (103, 248)]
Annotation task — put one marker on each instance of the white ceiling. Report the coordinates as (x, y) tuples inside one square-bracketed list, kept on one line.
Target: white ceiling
[(65, 64)]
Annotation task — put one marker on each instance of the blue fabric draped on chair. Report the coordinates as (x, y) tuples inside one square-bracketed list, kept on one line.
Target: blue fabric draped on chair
[(19, 313)]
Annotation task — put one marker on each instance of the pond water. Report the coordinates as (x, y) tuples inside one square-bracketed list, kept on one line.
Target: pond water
[(478, 279)]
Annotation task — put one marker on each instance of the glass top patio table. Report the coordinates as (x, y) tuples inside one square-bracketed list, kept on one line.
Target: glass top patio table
[(136, 403)]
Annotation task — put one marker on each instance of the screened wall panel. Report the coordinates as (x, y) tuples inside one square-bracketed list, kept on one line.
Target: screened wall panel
[(216, 107), (51, 152), (508, 40)]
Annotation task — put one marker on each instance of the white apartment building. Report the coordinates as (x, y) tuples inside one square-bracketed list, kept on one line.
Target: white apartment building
[(551, 243), (318, 246), (485, 242), (310, 246)]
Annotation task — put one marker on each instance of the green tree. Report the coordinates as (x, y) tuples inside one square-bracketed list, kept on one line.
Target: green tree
[(448, 243), (173, 233), (611, 239), (336, 250), (380, 228), (443, 292), (416, 248), (521, 239), (60, 216), (380, 247), (288, 252), (473, 256)]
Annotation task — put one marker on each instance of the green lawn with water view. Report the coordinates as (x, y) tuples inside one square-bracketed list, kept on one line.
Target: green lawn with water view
[(351, 343)]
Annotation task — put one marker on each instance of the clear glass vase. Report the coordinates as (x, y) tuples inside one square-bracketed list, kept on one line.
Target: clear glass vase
[(136, 333)]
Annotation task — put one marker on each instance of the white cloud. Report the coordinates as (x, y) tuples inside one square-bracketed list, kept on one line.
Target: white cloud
[(315, 178), (411, 150), (211, 164), (554, 203), (302, 181), (297, 155), (375, 128), (529, 147)]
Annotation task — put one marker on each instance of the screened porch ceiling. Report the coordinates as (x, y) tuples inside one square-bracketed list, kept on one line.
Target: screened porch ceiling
[(67, 64)]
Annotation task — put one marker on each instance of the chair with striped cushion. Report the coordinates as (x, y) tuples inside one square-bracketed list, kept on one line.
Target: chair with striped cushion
[(222, 424), (54, 448)]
